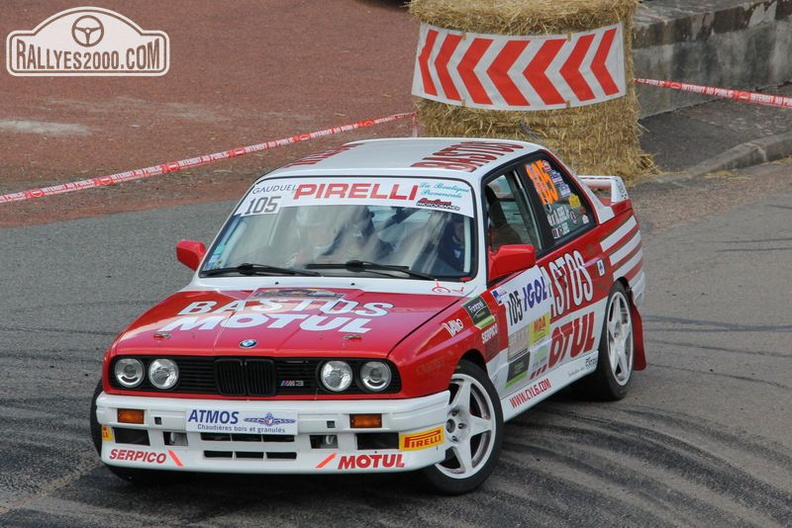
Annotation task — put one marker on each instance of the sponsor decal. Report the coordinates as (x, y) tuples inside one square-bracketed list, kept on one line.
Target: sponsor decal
[(518, 369), (539, 330), (522, 296), (572, 285), (88, 41), (437, 204), (241, 422), (601, 267), (591, 362), (443, 290), (560, 216), (519, 342), (530, 392), (364, 190), (527, 299), (489, 333), (467, 155), (454, 326), (136, 455), (422, 440), (539, 362), (444, 189), (107, 434), (204, 416), (375, 461), (479, 312), (572, 339), (269, 196), (339, 314), (274, 188), (560, 231), (269, 420), (558, 180)]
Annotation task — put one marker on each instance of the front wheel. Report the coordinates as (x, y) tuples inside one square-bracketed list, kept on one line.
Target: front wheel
[(473, 430)]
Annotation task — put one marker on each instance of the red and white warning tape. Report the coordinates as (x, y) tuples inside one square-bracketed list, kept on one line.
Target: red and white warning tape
[(750, 97), (737, 95), (191, 162)]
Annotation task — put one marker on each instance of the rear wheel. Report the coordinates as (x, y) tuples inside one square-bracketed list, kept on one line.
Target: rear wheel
[(473, 430), (609, 382)]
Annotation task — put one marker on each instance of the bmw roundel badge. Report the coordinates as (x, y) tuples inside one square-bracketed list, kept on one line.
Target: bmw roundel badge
[(248, 343)]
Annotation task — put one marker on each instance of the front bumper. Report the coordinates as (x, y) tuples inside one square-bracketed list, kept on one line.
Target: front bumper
[(323, 441)]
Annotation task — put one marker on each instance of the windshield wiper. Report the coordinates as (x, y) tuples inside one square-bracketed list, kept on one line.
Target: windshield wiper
[(364, 265), (247, 268)]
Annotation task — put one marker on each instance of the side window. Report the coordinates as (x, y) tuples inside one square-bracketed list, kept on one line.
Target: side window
[(565, 210), (509, 216)]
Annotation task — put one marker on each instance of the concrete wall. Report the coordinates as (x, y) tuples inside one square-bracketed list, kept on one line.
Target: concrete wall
[(738, 44)]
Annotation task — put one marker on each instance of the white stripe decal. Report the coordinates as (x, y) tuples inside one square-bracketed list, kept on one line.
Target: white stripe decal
[(625, 250), (628, 266), (617, 235)]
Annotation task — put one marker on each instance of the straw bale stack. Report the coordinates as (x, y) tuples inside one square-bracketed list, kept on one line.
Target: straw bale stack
[(600, 138)]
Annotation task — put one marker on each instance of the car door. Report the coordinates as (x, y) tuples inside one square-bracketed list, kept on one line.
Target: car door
[(570, 259), (525, 297)]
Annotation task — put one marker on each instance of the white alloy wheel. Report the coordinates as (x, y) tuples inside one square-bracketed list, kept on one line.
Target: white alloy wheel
[(473, 432), (620, 338)]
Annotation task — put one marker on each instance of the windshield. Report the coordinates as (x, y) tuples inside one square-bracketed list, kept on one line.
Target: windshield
[(424, 226)]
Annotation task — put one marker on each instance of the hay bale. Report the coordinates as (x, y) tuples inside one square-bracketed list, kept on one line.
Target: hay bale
[(595, 139)]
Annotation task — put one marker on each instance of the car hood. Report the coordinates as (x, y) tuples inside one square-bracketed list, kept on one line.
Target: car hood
[(279, 322)]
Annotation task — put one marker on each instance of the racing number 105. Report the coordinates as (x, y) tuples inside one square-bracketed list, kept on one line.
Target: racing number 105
[(515, 308), (264, 204)]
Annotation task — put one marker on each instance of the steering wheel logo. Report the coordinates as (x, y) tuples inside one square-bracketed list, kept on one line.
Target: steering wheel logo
[(87, 31)]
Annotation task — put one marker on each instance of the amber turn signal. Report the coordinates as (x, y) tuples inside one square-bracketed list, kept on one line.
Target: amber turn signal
[(131, 416), (365, 421)]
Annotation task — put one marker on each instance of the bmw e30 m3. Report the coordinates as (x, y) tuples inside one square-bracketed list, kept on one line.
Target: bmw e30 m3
[(384, 306)]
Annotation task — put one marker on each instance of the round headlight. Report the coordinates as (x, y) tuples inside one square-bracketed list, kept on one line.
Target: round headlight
[(375, 375), (336, 376), (163, 373), (129, 372)]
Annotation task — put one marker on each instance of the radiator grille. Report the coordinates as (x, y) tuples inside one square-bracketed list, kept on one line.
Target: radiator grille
[(245, 376)]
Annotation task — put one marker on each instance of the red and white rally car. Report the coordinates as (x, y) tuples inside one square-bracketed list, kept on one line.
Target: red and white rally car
[(383, 306)]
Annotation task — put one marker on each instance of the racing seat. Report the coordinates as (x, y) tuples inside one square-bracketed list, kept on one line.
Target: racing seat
[(499, 231)]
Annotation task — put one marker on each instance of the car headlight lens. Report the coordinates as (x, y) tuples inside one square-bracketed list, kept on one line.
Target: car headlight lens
[(129, 372), (163, 373), (336, 375), (375, 375)]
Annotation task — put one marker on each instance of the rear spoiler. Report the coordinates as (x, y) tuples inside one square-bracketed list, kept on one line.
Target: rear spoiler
[(611, 188)]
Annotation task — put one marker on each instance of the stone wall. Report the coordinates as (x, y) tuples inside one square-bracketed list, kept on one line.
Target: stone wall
[(738, 44)]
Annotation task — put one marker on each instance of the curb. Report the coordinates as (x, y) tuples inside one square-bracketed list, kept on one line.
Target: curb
[(750, 153)]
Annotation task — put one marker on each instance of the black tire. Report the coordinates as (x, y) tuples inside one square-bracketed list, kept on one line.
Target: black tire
[(474, 431), (96, 429), (611, 379), (134, 476)]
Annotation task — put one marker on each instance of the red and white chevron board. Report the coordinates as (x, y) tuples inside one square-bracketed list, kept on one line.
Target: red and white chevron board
[(505, 72)]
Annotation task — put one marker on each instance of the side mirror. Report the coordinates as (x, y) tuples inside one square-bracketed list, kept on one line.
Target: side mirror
[(510, 259), (190, 253)]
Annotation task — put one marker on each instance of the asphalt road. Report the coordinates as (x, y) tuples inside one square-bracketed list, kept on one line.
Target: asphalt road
[(701, 440)]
